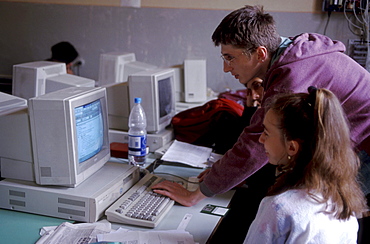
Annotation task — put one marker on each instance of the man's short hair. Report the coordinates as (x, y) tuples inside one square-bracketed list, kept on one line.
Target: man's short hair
[(248, 28)]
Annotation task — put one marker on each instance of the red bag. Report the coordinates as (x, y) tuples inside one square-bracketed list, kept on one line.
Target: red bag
[(200, 125), (239, 96)]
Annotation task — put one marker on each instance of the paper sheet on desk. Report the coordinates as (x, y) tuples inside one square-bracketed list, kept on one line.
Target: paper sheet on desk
[(73, 233), (189, 154), (148, 237)]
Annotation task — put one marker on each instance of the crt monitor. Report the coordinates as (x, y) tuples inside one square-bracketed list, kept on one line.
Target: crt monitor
[(157, 91), (10, 103), (15, 139), (37, 78), (69, 132), (117, 85), (115, 67)]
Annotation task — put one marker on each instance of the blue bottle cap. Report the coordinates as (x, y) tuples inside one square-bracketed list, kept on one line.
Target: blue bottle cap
[(137, 99)]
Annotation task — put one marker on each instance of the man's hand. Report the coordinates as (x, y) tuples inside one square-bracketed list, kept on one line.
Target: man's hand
[(178, 193), (203, 174)]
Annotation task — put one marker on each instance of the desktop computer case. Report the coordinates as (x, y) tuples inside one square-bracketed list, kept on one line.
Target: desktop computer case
[(85, 203), (153, 141)]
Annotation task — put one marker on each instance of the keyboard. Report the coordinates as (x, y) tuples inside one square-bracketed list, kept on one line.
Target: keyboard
[(140, 205)]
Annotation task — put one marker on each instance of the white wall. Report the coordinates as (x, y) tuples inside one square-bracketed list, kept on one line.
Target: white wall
[(161, 36)]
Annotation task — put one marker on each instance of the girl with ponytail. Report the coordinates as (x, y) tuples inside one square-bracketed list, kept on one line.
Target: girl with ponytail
[(316, 197)]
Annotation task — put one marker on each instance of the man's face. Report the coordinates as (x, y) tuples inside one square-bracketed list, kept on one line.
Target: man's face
[(240, 66)]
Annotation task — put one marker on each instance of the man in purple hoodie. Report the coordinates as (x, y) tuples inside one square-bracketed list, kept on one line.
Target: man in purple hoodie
[(251, 47)]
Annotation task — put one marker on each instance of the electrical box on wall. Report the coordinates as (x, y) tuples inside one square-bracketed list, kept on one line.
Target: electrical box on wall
[(358, 49), (344, 5)]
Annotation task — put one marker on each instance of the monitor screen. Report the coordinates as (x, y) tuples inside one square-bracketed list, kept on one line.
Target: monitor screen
[(69, 131), (89, 129), (165, 96), (157, 91)]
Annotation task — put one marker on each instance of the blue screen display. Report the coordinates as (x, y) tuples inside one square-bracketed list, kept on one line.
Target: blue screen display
[(89, 129), (165, 97)]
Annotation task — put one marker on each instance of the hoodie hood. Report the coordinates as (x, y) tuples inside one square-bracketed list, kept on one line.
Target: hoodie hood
[(305, 56), (308, 45)]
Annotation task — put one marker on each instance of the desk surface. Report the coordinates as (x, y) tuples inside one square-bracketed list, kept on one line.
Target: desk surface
[(18, 227), (201, 225)]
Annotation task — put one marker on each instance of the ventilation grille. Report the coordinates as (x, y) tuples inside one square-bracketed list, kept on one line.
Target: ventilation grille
[(45, 171), (71, 212), (71, 202), (17, 203), (17, 193)]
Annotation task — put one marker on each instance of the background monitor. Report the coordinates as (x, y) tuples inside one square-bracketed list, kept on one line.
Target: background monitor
[(118, 105), (115, 67), (10, 103), (15, 139), (37, 78), (157, 91), (69, 131)]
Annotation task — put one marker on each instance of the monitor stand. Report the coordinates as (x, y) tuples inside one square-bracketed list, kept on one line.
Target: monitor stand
[(86, 203)]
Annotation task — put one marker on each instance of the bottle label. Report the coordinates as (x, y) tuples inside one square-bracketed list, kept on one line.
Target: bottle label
[(137, 145)]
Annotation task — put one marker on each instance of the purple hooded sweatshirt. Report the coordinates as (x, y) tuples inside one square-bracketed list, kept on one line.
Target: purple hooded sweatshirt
[(310, 60)]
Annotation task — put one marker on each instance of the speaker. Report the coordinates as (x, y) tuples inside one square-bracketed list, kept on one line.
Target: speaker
[(195, 80)]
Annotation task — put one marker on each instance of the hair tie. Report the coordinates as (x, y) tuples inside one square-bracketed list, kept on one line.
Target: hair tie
[(311, 95), (312, 89)]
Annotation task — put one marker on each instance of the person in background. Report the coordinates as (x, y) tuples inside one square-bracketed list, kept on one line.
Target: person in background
[(249, 97), (64, 52), (316, 196), (254, 93), (226, 132), (218, 123)]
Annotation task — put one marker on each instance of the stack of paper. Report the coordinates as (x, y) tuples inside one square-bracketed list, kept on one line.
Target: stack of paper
[(73, 233), (67, 233), (148, 237), (196, 156)]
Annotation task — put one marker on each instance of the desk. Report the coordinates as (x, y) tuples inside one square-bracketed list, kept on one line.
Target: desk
[(18, 227), (201, 225), (25, 227)]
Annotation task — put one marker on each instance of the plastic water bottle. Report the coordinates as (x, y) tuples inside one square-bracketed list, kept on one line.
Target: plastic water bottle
[(137, 134)]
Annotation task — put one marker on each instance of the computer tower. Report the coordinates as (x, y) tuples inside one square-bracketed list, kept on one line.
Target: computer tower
[(86, 203)]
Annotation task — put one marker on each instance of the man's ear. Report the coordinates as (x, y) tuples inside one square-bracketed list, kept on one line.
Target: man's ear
[(261, 53), (292, 147)]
